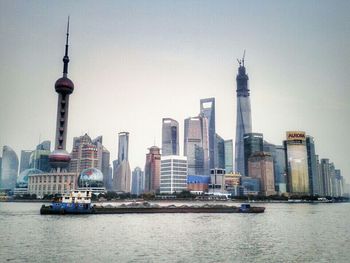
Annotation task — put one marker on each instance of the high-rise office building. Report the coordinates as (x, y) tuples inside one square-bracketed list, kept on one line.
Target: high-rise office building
[(0, 170), (25, 158), (88, 153), (123, 146), (84, 154), (320, 178), (219, 152), (297, 167), (59, 158), (260, 166), (252, 142), (278, 154), (45, 145), (196, 145), (207, 109), (228, 145), (137, 181), (312, 166), (105, 169), (243, 116), (280, 169), (39, 159), (173, 174), (170, 137), (340, 183), (122, 173), (9, 168), (326, 177), (152, 170)]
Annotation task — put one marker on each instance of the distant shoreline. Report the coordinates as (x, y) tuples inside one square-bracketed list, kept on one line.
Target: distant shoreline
[(188, 201)]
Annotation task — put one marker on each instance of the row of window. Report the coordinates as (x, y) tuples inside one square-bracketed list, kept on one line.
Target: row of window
[(49, 178)]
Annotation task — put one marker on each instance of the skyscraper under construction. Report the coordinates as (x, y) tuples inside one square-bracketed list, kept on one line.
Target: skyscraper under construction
[(243, 118)]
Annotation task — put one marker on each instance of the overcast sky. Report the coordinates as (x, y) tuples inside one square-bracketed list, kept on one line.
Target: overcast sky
[(135, 62)]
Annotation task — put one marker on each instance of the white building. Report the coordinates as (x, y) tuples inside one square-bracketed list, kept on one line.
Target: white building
[(173, 174), (51, 183)]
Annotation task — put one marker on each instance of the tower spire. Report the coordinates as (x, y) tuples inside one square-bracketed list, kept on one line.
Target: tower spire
[(66, 58)]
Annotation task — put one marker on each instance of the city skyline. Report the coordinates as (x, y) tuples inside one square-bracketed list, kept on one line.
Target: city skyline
[(35, 117)]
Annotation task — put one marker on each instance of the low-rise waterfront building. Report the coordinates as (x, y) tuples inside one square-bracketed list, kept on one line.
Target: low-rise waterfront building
[(42, 184), (198, 184)]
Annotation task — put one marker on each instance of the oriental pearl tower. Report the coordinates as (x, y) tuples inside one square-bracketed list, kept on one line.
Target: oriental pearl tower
[(59, 158)]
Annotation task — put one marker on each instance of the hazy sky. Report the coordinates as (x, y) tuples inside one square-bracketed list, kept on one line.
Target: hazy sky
[(135, 62)]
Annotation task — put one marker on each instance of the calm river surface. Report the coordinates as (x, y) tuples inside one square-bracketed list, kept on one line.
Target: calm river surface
[(284, 233)]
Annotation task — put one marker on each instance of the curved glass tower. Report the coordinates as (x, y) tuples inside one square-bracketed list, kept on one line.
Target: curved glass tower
[(243, 119), (9, 168)]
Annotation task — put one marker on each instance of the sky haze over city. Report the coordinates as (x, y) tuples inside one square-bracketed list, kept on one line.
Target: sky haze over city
[(136, 62)]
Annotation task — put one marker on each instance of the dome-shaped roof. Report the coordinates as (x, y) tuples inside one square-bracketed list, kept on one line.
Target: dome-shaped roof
[(90, 177), (64, 85), (22, 180)]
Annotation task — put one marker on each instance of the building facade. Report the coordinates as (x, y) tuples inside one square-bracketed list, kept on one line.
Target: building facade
[(297, 166), (253, 142), (170, 137), (42, 184), (84, 154), (243, 116), (260, 166), (196, 145), (173, 174), (152, 170)]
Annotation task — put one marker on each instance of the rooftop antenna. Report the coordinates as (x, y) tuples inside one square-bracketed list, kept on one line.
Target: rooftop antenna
[(243, 58), (66, 58), (241, 61)]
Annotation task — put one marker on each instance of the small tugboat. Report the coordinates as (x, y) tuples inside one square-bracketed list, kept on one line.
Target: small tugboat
[(77, 202)]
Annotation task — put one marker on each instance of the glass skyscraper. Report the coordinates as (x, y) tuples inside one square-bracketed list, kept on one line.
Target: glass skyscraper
[(196, 145), (220, 152), (170, 137), (280, 169), (312, 166), (25, 158), (122, 173), (253, 142), (9, 168), (137, 181), (207, 107), (243, 116), (228, 144), (297, 166)]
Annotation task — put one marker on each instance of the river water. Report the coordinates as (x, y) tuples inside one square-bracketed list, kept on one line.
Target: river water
[(284, 233)]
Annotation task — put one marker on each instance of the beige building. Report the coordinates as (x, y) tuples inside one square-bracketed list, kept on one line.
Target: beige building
[(52, 183), (260, 166)]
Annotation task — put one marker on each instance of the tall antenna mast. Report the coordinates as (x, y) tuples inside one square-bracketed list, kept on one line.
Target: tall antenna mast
[(243, 58)]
